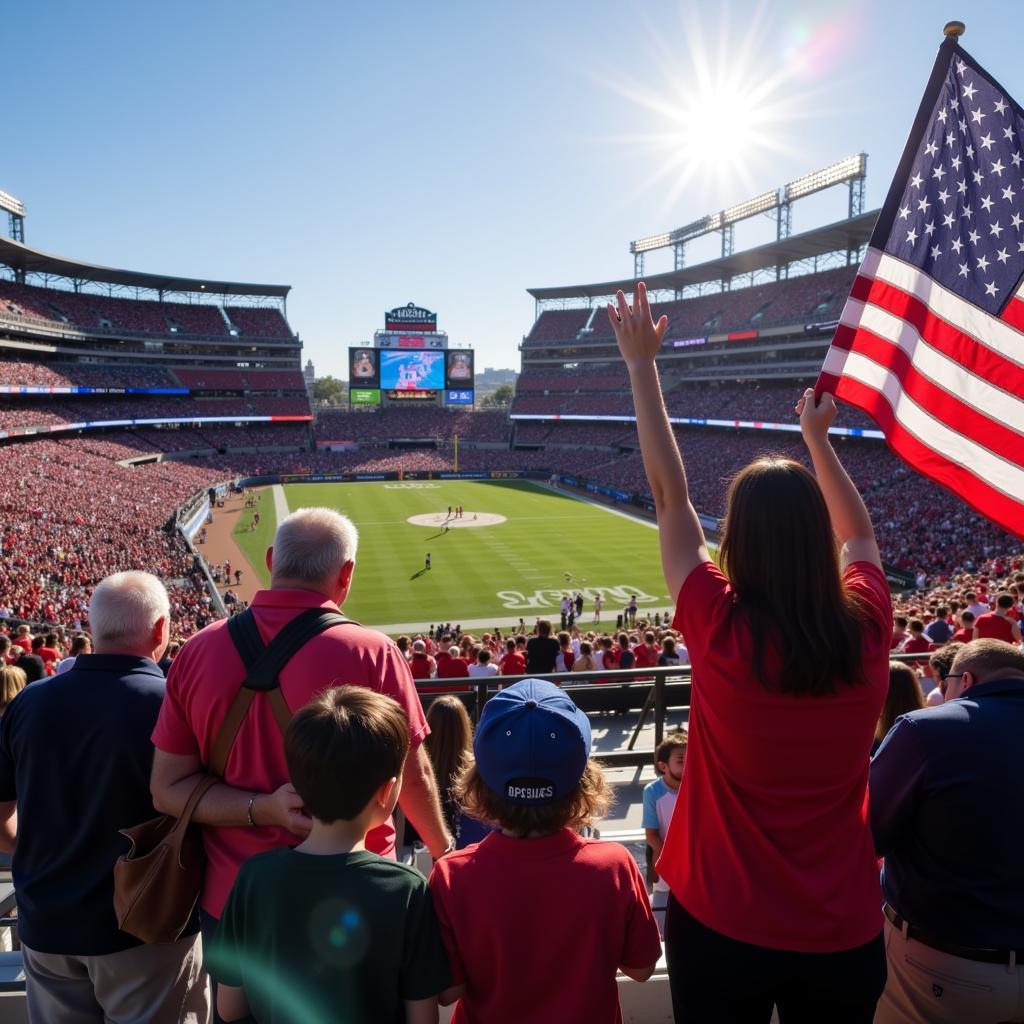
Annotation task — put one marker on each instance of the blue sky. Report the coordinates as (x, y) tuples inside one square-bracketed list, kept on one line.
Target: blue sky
[(447, 153)]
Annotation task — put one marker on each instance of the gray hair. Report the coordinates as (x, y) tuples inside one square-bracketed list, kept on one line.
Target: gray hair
[(313, 544), (125, 607)]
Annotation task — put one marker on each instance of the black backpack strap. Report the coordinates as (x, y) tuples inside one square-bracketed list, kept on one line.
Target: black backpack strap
[(263, 664)]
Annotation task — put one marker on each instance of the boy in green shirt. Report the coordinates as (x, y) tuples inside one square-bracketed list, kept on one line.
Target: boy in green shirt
[(328, 931)]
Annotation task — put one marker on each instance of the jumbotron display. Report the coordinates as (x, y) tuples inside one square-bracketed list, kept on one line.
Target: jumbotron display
[(411, 370)]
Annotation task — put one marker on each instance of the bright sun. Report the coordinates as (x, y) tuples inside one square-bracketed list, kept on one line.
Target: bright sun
[(723, 104)]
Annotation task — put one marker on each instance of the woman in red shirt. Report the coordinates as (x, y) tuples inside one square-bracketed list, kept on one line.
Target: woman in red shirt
[(775, 889)]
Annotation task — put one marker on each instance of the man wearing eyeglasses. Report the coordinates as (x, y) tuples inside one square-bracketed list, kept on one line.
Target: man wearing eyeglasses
[(947, 812)]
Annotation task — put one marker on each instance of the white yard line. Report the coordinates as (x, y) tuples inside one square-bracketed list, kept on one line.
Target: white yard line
[(597, 504), (280, 504)]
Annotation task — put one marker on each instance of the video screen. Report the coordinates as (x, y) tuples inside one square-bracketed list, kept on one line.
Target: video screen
[(459, 368), (411, 370), (363, 367)]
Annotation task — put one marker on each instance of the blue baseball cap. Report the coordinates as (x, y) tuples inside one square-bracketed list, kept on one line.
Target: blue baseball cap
[(532, 743)]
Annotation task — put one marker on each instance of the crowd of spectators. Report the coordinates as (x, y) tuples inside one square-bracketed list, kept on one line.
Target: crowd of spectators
[(77, 516), (383, 424), (107, 314), (20, 373), (798, 300)]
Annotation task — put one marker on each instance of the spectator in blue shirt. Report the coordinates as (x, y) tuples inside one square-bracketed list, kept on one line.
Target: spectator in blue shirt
[(75, 760), (947, 811), (939, 630)]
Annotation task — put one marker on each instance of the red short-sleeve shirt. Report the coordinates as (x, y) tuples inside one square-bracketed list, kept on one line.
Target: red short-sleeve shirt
[(523, 952), (777, 849), (994, 627), (203, 681)]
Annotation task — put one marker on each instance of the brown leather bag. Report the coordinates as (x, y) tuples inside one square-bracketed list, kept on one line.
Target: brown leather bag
[(158, 882)]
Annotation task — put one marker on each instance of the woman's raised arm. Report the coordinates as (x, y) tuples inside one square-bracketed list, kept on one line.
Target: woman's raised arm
[(683, 546)]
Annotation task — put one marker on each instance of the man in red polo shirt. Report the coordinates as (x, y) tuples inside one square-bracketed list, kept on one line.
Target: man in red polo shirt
[(256, 809), (998, 625)]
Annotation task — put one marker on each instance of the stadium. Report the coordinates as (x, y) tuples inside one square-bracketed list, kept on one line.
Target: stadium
[(164, 423)]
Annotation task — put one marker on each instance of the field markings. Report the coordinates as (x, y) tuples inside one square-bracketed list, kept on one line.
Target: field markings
[(280, 504), (596, 504)]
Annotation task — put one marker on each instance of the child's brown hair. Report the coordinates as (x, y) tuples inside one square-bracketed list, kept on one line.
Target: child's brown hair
[(672, 741), (342, 747)]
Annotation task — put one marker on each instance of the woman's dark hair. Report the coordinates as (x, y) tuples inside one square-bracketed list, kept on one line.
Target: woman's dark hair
[(904, 695), (450, 743), (780, 555)]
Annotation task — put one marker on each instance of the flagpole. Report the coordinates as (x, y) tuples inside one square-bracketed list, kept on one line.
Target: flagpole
[(955, 29)]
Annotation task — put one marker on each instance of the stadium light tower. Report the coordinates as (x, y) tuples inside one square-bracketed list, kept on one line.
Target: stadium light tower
[(16, 211)]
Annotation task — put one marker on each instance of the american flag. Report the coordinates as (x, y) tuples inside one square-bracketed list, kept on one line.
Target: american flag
[(931, 340)]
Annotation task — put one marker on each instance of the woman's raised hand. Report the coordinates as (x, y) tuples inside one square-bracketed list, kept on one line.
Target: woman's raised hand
[(638, 336), (815, 419)]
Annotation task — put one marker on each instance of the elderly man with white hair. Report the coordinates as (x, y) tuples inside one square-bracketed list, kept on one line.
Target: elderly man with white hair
[(255, 809), (75, 761)]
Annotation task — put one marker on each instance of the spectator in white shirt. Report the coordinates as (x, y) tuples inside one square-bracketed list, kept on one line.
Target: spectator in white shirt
[(483, 665)]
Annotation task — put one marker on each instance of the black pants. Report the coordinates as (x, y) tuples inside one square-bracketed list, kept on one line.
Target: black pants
[(208, 925), (718, 980)]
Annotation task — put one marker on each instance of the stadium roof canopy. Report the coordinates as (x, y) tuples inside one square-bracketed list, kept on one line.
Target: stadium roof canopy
[(843, 235), (32, 261)]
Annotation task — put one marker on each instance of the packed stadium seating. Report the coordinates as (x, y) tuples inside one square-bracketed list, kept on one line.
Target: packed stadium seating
[(255, 321), (382, 424)]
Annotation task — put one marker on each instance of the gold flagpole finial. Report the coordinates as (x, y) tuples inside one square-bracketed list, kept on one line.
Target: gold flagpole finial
[(954, 28)]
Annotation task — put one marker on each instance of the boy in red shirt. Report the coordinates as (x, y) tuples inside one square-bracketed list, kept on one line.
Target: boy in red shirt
[(515, 954), (512, 662)]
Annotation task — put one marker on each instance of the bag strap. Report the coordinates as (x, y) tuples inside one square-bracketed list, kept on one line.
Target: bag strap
[(177, 834), (263, 664)]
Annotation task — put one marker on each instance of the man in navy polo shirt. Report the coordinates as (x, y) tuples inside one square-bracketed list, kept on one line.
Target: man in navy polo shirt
[(947, 811), (75, 760)]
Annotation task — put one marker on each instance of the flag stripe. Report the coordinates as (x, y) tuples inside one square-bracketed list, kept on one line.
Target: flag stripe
[(1014, 313), (942, 401), (987, 400), (941, 439), (957, 346), (948, 306), (991, 502)]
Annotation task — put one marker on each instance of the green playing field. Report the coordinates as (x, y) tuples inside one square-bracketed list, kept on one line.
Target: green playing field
[(538, 545)]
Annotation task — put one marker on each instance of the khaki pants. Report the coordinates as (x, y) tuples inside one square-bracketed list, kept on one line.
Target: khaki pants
[(151, 984), (935, 988)]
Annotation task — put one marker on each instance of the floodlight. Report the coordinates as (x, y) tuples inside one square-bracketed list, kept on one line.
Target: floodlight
[(835, 174), (11, 205), (765, 201), (649, 243)]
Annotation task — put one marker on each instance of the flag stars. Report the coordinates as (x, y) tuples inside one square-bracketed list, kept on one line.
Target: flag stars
[(916, 180), (998, 167), (1008, 195), (939, 172), (943, 114), (963, 270), (969, 90), (982, 264), (944, 196), (962, 124), (904, 212), (1016, 220), (929, 228), (931, 149), (967, 212), (995, 229), (986, 141), (977, 116), (911, 236), (923, 204), (950, 138), (961, 187), (936, 252), (961, 67), (956, 246), (1020, 247), (954, 104), (1008, 132), (1002, 255), (978, 177), (969, 150), (948, 220), (987, 204), (991, 288), (1000, 105), (1015, 158), (974, 237), (956, 162)]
